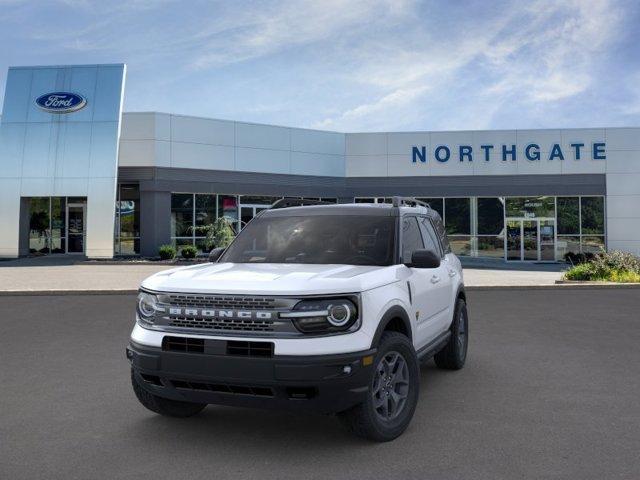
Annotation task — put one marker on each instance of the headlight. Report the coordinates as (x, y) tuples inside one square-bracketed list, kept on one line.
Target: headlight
[(328, 315), (147, 306)]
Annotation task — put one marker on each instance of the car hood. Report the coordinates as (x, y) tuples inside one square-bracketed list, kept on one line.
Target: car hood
[(271, 278)]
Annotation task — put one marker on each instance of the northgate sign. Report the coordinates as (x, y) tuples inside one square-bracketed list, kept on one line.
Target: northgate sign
[(532, 152)]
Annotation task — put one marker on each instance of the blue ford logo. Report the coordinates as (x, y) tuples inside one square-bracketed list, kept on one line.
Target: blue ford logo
[(61, 102)]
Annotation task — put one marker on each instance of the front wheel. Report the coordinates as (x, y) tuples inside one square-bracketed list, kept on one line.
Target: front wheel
[(392, 395), (454, 353)]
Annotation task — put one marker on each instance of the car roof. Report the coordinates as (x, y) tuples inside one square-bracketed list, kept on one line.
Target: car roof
[(357, 209)]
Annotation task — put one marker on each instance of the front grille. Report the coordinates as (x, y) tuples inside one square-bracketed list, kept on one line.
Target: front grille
[(224, 388), (183, 344), (250, 349), (222, 301), (228, 324), (217, 314)]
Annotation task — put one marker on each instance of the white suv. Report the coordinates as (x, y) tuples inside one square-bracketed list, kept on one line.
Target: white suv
[(328, 308)]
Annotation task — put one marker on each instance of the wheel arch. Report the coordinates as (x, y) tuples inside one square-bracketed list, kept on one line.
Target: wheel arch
[(395, 319)]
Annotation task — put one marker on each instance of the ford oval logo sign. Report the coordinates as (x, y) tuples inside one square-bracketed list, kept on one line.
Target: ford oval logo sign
[(61, 102)]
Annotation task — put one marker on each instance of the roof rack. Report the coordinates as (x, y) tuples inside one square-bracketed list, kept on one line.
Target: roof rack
[(408, 201), (296, 202)]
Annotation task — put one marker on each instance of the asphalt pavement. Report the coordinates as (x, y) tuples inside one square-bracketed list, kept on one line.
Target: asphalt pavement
[(550, 390)]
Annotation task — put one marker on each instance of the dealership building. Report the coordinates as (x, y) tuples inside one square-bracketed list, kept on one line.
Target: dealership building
[(79, 176)]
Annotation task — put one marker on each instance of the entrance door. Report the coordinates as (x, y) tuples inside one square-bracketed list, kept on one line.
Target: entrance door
[(530, 239), (75, 227)]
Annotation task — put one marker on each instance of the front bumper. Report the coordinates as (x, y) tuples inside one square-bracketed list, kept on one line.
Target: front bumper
[(322, 383)]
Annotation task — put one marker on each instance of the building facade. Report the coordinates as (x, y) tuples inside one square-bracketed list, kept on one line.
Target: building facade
[(90, 179)]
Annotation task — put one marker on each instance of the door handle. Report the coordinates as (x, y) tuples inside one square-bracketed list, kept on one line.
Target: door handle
[(452, 273), (435, 279)]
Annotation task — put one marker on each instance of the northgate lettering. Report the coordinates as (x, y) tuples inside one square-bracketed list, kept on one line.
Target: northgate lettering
[(531, 152)]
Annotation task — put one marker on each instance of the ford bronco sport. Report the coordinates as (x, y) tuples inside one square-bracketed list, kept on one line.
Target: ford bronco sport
[(325, 308)]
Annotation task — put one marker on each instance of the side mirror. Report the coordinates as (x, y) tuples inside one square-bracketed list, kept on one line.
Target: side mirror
[(424, 259), (215, 254)]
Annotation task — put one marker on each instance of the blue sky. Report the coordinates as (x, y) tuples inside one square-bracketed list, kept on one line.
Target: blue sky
[(351, 65)]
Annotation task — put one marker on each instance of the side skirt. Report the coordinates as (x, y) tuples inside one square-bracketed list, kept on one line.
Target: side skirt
[(430, 349)]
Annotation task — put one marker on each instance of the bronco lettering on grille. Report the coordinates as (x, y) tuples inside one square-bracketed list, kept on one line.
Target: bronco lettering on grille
[(213, 313)]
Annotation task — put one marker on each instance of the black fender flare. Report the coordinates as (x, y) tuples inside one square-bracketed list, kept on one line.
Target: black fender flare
[(394, 312), (459, 294)]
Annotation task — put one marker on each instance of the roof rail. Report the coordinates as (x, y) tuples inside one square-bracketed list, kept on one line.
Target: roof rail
[(408, 201), (296, 202)]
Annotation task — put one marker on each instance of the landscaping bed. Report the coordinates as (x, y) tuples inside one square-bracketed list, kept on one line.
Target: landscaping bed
[(610, 267)]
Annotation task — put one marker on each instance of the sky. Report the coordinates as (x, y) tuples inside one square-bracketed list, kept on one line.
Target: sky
[(351, 65)]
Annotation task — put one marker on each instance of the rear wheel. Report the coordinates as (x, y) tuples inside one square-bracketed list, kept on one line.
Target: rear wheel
[(392, 395), (164, 406), (454, 353)]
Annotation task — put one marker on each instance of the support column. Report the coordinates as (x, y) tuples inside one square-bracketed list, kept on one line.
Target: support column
[(155, 221)]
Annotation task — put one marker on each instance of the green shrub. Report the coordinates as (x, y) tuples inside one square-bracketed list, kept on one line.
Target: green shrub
[(189, 251), (167, 252), (219, 233), (581, 271), (612, 266)]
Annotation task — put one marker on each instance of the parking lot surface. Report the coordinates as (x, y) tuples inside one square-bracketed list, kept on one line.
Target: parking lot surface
[(550, 390)]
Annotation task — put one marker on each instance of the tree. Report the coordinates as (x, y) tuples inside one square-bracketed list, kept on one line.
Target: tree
[(219, 234)]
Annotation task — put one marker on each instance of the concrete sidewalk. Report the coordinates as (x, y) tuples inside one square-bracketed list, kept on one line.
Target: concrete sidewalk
[(64, 274)]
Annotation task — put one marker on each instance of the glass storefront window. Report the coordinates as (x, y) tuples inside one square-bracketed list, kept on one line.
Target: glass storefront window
[(228, 208), (127, 227), (568, 215), (181, 214), (490, 246), (567, 244), (592, 244), (457, 216), (592, 214), (530, 207), (490, 216), (48, 229), (460, 244)]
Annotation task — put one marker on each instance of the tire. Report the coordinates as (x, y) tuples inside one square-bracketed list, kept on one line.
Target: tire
[(164, 406), (368, 419), (454, 353)]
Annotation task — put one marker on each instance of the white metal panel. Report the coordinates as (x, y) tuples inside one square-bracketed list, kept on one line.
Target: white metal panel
[(623, 139), (403, 166), (138, 153), (315, 141), (101, 199), (262, 136), (366, 144), (622, 161), (263, 160), (198, 155), (138, 126), (202, 130), (317, 164), (366, 165), (401, 143)]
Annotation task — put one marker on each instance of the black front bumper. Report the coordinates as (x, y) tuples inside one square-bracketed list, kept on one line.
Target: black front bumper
[(324, 384)]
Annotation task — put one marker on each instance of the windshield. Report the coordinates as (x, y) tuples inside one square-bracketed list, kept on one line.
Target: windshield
[(323, 239)]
